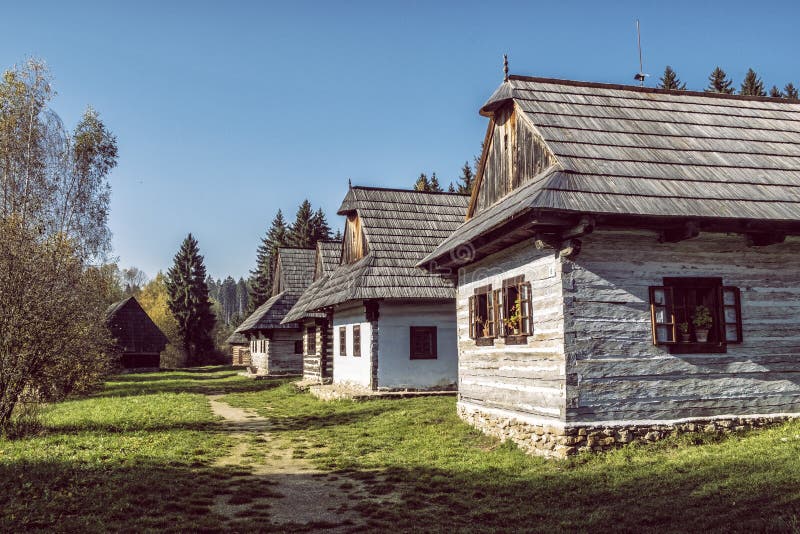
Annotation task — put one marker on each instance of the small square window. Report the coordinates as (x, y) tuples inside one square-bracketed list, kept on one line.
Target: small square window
[(423, 342), (298, 346)]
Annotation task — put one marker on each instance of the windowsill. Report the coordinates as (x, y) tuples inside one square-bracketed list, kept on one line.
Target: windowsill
[(698, 348), (484, 341), (517, 339), (412, 358)]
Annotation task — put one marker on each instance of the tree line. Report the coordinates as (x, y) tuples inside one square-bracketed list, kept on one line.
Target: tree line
[(719, 82), (308, 228)]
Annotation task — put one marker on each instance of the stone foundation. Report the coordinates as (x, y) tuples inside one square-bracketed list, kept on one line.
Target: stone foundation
[(559, 441)]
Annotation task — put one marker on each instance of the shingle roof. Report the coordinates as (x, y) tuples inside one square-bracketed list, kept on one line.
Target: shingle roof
[(329, 254), (629, 151), (401, 227), (133, 329), (237, 338), (294, 272)]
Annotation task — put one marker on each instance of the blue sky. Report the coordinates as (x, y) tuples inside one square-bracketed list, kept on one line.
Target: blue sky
[(227, 111)]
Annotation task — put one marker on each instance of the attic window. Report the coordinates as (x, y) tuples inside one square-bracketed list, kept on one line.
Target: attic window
[(695, 315)]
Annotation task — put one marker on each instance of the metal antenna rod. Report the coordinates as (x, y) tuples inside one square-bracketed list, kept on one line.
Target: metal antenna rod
[(640, 76)]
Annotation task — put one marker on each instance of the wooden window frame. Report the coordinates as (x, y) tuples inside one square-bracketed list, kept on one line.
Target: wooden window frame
[(356, 340), (423, 330), (311, 340), (676, 291), (343, 341), (521, 288), (483, 292)]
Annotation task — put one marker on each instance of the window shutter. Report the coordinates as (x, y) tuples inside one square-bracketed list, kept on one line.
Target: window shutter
[(472, 333), (662, 315), (492, 313), (526, 308), (731, 300), (499, 301)]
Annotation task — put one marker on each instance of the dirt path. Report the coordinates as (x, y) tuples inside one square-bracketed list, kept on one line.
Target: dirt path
[(273, 484)]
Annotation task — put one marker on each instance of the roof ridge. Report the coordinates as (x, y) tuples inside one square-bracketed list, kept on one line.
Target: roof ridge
[(401, 190), (638, 89)]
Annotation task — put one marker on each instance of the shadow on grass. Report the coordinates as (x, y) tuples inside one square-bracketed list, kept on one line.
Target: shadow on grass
[(124, 387), (65, 496)]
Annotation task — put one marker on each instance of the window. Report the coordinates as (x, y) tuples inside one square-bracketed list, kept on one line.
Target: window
[(695, 315), (515, 309), (311, 340), (298, 346), (482, 315), (357, 340), (423, 342), (342, 341)]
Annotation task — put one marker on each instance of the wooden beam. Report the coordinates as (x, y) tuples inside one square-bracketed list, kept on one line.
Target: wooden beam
[(763, 239), (584, 227), (570, 248), (688, 230), (487, 140)]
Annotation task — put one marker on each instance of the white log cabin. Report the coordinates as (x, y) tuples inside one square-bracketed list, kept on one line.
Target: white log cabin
[(277, 349), (629, 266), (394, 325), (317, 327)]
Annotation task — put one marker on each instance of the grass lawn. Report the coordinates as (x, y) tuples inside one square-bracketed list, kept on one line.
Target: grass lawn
[(140, 456), (137, 456), (449, 477)]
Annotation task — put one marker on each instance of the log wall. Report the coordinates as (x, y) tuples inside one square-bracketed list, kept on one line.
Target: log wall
[(526, 378), (615, 373)]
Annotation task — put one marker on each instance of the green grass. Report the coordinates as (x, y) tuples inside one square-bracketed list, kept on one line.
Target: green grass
[(450, 477), (137, 456)]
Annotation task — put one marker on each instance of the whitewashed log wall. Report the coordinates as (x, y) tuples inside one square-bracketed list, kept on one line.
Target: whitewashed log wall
[(279, 357), (617, 374), (519, 378)]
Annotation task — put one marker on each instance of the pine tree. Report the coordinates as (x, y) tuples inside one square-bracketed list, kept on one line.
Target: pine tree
[(321, 231), (301, 233), (422, 183), (261, 276), (433, 185), (451, 188), (227, 299), (338, 237), (188, 301), (790, 91), (775, 92), (467, 180), (752, 85), (670, 81), (718, 82)]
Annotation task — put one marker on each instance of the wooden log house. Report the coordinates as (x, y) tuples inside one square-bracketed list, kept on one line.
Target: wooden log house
[(240, 349), (317, 327), (277, 349), (629, 266), (137, 337), (394, 325)]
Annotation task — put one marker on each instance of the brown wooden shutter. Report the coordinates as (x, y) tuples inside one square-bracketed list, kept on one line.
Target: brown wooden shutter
[(499, 300), (731, 307), (526, 309), (662, 315), (472, 330)]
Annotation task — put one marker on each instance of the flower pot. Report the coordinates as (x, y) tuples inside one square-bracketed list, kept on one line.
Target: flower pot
[(701, 334), (684, 337)]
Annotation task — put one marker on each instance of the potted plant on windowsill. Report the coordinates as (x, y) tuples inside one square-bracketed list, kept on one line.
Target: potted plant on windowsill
[(683, 328), (483, 327), (702, 322), (512, 321)]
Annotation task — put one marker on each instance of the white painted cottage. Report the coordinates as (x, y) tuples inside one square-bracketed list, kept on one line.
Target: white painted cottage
[(394, 325), (629, 266)]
